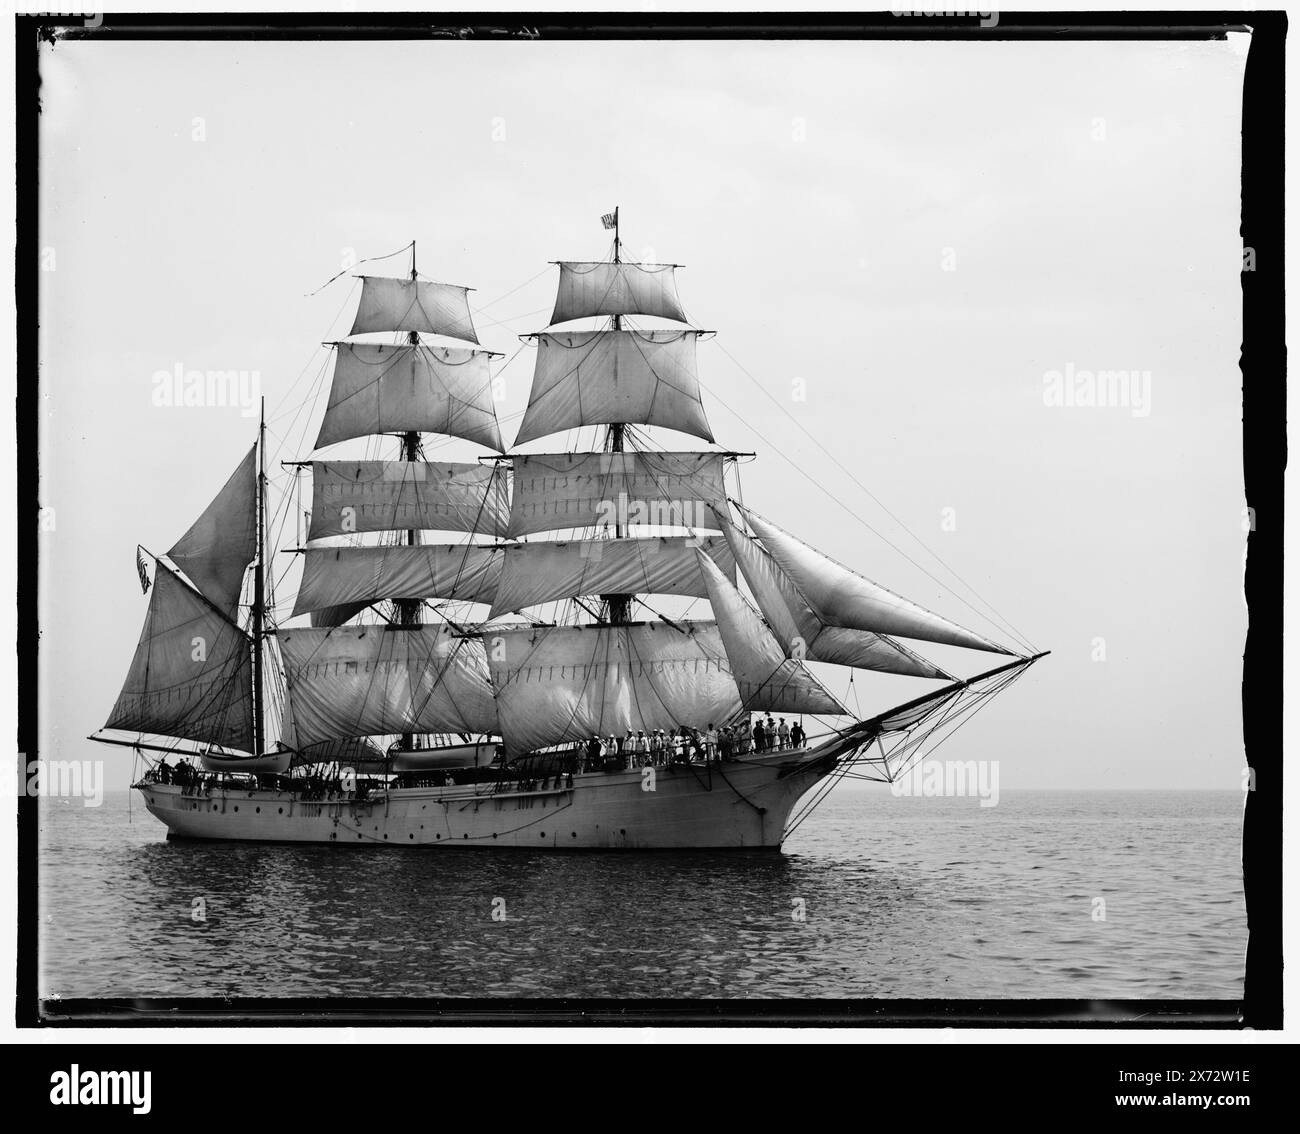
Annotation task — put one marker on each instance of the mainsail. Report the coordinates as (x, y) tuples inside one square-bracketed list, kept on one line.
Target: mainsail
[(370, 680), (558, 684)]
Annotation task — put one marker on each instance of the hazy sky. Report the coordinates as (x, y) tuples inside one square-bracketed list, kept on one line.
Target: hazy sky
[(918, 232)]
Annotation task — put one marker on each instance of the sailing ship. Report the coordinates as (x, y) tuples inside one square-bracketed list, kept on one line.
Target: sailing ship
[(419, 692)]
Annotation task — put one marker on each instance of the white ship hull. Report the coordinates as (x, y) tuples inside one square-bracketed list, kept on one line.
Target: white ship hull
[(742, 803)]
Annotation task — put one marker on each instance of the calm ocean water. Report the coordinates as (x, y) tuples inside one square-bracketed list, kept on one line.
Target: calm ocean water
[(902, 897)]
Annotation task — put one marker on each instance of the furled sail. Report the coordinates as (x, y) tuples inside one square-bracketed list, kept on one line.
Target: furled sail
[(579, 490), (612, 377), (217, 550), (337, 576), (541, 572), (375, 680), (842, 597), (371, 496), (413, 305), (802, 634), (191, 676), (396, 389), (766, 678), (616, 289), (556, 684)]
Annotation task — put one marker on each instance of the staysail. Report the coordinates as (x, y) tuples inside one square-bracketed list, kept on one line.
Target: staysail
[(557, 684), (766, 678), (191, 676), (222, 542), (802, 633), (374, 680), (841, 597)]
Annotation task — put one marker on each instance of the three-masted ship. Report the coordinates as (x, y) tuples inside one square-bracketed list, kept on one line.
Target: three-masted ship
[(419, 692)]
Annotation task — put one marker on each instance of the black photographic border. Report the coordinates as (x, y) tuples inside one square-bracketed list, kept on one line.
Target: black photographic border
[(1263, 365)]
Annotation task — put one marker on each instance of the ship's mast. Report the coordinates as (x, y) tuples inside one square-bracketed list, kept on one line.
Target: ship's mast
[(617, 605), (408, 610), (259, 591)]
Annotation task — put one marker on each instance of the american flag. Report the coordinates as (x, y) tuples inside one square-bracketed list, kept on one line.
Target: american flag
[(610, 220), (144, 574)]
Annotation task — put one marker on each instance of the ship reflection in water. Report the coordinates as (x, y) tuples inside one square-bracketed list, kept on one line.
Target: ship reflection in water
[(876, 896)]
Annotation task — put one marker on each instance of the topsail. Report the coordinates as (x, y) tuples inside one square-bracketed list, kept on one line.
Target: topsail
[(615, 377), (410, 388), (578, 490), (374, 496)]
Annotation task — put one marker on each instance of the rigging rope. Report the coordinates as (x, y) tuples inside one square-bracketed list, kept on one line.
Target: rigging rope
[(821, 487), (367, 260)]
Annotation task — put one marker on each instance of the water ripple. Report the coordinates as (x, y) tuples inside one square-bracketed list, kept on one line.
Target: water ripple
[(874, 896)]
